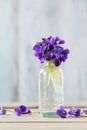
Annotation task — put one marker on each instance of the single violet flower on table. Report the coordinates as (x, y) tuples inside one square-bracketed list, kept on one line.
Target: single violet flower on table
[(61, 112), (84, 110), (22, 110), (2, 111), (71, 111), (76, 112)]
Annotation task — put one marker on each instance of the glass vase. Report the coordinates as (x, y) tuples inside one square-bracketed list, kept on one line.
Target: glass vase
[(50, 89)]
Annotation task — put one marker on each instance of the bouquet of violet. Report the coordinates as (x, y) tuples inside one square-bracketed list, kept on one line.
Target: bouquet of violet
[(51, 51)]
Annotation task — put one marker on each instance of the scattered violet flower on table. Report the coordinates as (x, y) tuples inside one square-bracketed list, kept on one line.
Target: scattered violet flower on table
[(76, 112), (61, 112), (71, 111), (22, 110), (2, 111), (84, 110)]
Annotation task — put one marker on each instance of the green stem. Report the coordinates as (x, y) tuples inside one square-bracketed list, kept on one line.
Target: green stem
[(54, 75)]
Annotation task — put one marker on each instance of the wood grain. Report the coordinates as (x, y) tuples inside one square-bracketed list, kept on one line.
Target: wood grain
[(35, 122), (43, 126), (35, 105)]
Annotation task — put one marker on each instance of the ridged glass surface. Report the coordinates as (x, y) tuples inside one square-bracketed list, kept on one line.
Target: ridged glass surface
[(50, 91)]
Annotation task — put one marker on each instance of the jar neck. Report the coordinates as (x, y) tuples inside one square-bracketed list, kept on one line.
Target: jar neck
[(50, 64)]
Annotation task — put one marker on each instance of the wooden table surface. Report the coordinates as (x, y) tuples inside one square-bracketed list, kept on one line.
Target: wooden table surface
[(34, 122)]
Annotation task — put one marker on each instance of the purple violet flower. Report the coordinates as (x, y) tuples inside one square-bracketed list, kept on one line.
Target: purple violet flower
[(61, 112), (22, 110), (74, 111), (2, 111), (50, 49), (71, 111), (61, 42), (77, 112), (84, 110)]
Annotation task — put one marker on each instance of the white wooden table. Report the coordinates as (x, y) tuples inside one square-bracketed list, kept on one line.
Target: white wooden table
[(34, 122)]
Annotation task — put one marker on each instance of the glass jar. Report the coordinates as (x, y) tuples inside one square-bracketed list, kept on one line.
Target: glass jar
[(50, 89)]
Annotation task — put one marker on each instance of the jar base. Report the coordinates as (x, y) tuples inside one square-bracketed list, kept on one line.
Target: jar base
[(48, 114)]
